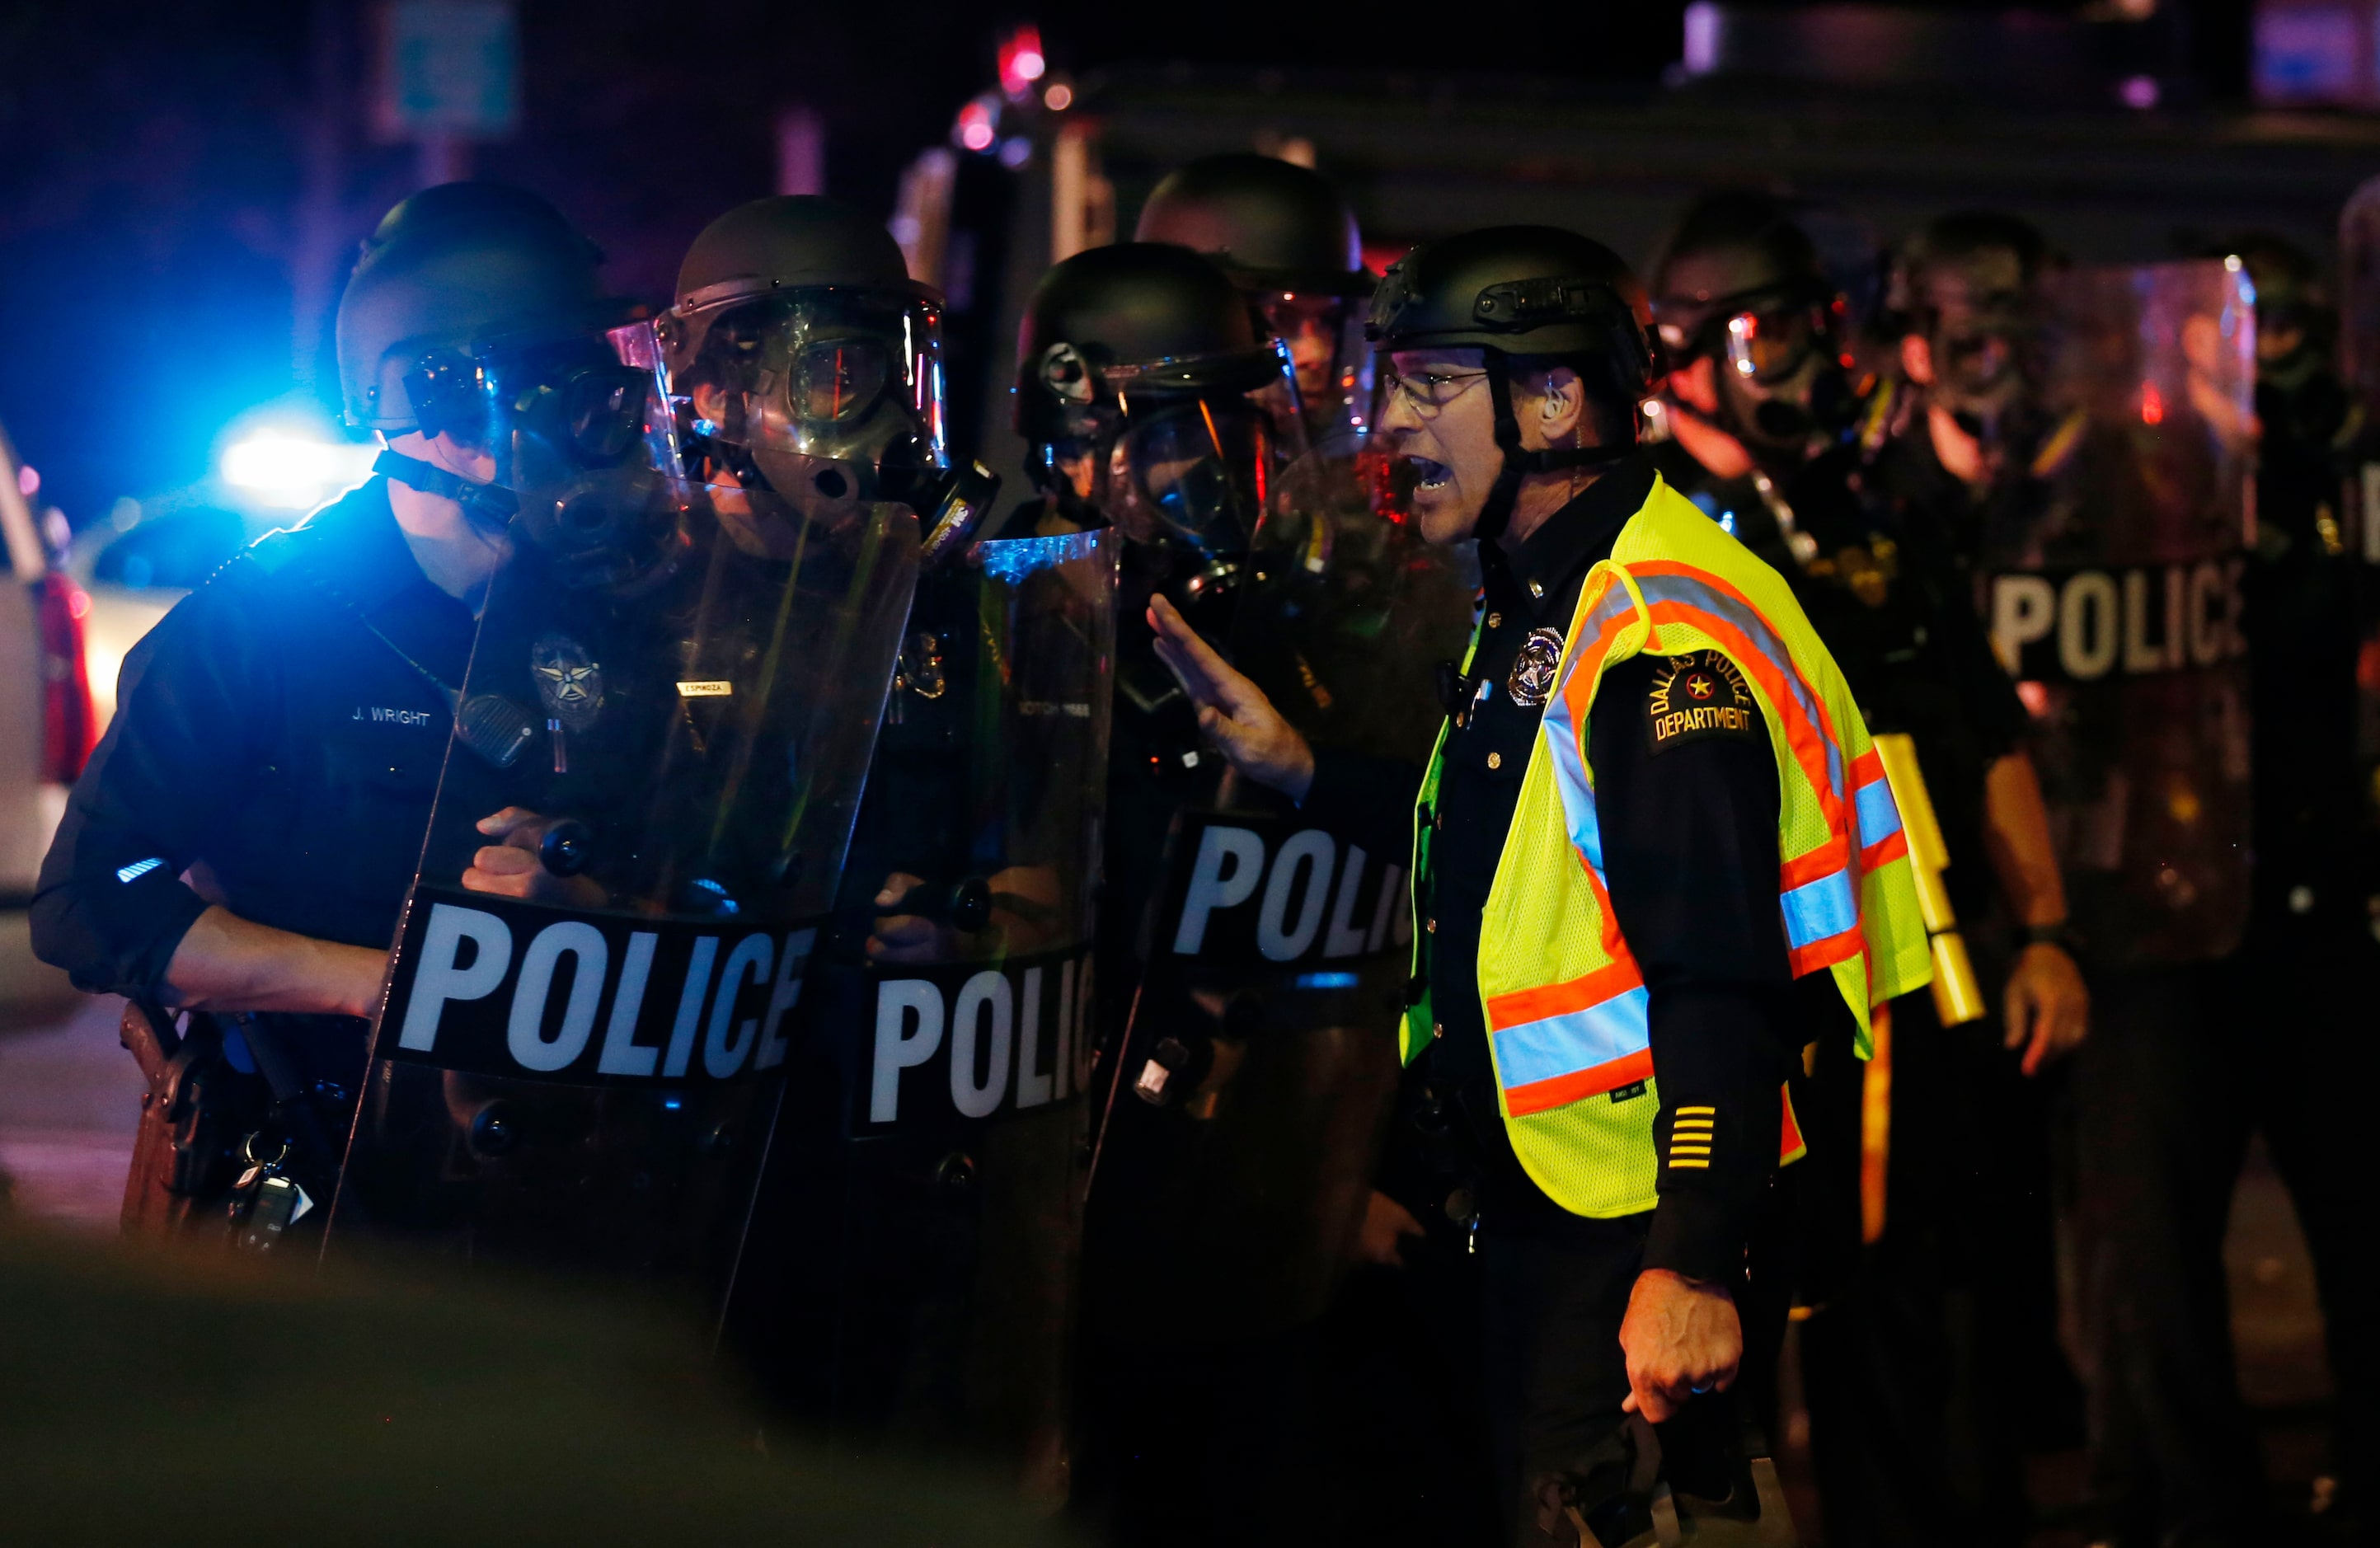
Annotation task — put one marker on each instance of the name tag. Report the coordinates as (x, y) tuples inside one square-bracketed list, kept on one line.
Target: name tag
[(384, 715)]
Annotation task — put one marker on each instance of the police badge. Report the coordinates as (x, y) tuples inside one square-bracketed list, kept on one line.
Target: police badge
[(1532, 677), (570, 684)]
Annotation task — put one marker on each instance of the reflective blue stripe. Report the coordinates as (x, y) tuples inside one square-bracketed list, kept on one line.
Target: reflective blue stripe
[(1678, 588), (1562, 736), (1816, 910), (1576, 1040), (1880, 818), (1570, 778)]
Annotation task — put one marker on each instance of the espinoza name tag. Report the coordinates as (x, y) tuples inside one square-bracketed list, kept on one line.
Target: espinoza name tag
[(496, 987), (706, 690)]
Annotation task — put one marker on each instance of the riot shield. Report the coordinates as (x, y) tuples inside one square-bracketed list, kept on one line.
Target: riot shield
[(2111, 574), (912, 1274), (2359, 263), (670, 700), (1248, 1097)]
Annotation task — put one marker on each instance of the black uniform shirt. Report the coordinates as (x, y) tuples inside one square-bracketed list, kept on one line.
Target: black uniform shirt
[(278, 739), (1690, 858)]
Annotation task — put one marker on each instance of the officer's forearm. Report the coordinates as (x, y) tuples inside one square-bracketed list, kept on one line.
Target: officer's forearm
[(2016, 835), (1717, 1133), (226, 962)]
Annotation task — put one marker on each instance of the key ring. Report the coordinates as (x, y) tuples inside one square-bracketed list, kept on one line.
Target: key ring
[(247, 1151)]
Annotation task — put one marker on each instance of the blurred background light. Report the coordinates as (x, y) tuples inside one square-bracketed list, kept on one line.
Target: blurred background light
[(291, 469), (1021, 60)]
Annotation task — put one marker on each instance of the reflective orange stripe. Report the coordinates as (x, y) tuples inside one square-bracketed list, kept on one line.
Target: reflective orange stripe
[(1540, 1095), (1560, 999)]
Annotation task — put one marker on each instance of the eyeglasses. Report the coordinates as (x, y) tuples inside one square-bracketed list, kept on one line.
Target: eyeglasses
[(1428, 393)]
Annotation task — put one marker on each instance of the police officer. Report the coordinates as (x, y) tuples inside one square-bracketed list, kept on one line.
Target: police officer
[(2011, 433), (2309, 925), (1290, 244), (244, 836), (1618, 969), (806, 366), (1758, 408), (1150, 400)]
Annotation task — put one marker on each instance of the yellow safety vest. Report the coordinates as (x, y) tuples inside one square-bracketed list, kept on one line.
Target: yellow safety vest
[(1564, 1001)]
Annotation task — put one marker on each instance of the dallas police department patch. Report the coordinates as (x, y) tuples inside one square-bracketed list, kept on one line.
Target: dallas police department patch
[(1532, 677), (1698, 695)]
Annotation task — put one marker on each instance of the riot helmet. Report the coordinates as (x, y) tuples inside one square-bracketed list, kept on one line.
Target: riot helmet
[(1289, 242), (1526, 297), (1968, 288), (2297, 326), (474, 313), (804, 362), (1741, 285), (1146, 396)]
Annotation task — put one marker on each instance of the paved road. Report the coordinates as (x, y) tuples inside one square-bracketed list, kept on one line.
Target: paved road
[(69, 1100), (70, 1097)]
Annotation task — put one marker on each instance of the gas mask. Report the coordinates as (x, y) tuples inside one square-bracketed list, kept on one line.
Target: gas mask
[(570, 427), (1195, 472), (1784, 388), (1985, 330), (1990, 375), (828, 399)]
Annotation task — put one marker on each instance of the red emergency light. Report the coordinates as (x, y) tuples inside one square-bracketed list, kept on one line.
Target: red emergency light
[(1021, 60)]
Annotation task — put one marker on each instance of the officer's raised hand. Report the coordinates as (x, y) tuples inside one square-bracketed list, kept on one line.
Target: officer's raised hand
[(1233, 712), (513, 867)]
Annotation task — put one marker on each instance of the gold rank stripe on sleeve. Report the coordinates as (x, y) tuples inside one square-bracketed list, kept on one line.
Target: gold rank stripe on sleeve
[(1690, 1138)]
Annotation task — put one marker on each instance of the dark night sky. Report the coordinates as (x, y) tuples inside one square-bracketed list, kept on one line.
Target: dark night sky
[(153, 260)]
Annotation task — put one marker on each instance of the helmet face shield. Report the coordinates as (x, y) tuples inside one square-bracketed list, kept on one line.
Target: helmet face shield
[(1783, 372), (571, 403), (1329, 360), (1770, 346), (827, 396)]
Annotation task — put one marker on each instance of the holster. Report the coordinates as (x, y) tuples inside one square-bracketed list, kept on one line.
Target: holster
[(195, 1116)]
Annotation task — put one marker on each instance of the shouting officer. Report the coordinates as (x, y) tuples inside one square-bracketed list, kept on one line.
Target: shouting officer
[(1656, 859), (242, 840), (1758, 405)]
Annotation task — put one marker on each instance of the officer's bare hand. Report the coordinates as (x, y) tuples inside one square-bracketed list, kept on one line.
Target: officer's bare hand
[(908, 938), (2048, 1005), (1387, 1224), (511, 868), (1680, 1336), (1233, 711)]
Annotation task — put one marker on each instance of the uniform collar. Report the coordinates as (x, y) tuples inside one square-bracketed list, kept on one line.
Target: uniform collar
[(365, 552), (1574, 536)]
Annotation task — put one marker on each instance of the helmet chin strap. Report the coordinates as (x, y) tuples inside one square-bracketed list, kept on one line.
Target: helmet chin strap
[(1520, 461), (490, 505)]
